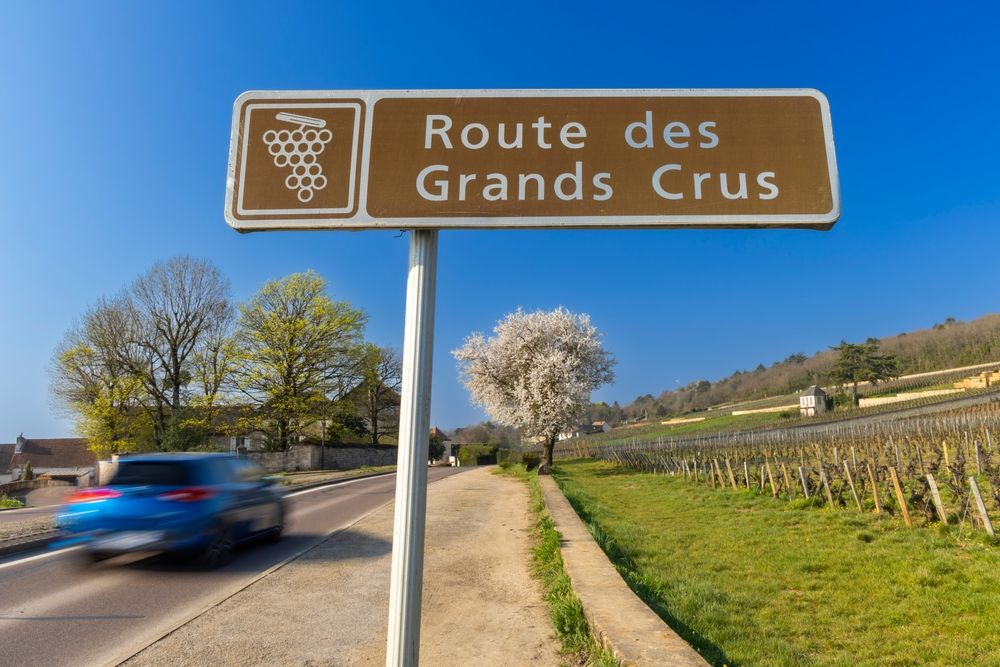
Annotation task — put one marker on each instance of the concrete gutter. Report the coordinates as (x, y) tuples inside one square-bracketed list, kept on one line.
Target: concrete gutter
[(618, 618)]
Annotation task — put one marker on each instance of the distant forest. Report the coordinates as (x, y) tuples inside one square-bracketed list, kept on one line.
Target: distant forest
[(945, 345)]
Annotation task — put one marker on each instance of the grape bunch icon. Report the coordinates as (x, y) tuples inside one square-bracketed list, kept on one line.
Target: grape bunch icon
[(300, 148)]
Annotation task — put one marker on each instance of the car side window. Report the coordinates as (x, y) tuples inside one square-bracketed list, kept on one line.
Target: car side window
[(219, 472), (246, 471)]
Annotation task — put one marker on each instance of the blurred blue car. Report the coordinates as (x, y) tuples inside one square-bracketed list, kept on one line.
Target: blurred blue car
[(200, 505)]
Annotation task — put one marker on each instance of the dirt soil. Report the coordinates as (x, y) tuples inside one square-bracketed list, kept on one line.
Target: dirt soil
[(480, 604), (17, 530)]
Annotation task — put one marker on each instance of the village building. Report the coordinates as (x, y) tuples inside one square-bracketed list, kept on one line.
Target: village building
[(68, 459), (585, 429), (812, 402)]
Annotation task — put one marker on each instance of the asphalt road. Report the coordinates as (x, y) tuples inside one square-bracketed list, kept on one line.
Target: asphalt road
[(54, 610)]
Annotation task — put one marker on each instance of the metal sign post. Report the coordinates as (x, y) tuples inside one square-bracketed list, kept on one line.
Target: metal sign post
[(425, 160), (403, 641)]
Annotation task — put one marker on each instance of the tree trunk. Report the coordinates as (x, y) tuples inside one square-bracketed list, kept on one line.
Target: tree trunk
[(550, 444), (855, 394)]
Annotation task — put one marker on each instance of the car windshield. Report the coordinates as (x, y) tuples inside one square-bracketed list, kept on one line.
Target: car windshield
[(154, 473)]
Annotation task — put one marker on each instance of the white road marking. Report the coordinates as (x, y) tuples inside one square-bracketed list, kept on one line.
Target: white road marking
[(50, 554), (336, 483)]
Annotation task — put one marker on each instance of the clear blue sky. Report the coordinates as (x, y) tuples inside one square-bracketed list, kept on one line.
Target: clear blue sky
[(115, 129)]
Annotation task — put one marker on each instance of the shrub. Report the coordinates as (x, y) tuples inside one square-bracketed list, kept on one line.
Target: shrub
[(477, 455), (10, 503), (531, 461)]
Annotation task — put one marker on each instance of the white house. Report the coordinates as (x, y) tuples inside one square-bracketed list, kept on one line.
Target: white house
[(812, 402)]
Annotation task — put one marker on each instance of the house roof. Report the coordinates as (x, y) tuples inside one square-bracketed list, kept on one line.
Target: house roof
[(6, 451), (814, 391), (53, 453)]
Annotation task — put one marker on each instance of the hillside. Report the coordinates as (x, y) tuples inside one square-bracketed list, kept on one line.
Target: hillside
[(945, 345)]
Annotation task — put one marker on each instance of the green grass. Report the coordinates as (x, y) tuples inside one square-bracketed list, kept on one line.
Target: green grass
[(10, 503), (565, 609), (750, 580)]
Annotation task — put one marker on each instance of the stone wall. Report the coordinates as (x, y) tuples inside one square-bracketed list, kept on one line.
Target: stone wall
[(311, 457), (900, 398)]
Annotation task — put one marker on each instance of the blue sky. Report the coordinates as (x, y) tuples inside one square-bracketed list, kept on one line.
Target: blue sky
[(115, 129)]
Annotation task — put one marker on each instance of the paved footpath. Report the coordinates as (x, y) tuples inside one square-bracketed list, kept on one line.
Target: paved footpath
[(480, 606)]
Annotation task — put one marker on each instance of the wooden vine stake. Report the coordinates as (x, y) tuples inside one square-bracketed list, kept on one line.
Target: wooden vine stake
[(732, 477), (788, 481), (718, 471), (850, 482), (871, 480), (944, 446), (936, 497), (770, 477), (826, 487), (983, 514), (746, 475), (805, 485), (899, 498)]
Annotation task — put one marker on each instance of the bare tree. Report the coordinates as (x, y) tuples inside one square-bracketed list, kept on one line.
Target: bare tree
[(537, 372), (379, 392), (150, 335), (173, 307)]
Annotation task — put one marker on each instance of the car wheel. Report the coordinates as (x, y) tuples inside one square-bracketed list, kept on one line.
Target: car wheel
[(87, 557), (219, 551)]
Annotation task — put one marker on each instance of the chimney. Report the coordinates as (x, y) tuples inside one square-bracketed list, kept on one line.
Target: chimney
[(19, 446)]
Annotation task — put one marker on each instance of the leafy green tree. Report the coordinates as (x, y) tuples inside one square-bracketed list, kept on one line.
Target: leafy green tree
[(344, 423), (862, 362), (436, 448), (296, 349), (90, 382)]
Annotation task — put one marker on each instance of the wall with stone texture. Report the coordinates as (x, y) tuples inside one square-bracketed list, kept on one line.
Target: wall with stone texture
[(311, 457)]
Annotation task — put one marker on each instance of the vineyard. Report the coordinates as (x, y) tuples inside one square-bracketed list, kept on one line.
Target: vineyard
[(656, 432), (943, 469)]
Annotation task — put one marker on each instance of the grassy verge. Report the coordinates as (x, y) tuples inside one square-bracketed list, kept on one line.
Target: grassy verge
[(565, 609), (750, 580), (10, 503)]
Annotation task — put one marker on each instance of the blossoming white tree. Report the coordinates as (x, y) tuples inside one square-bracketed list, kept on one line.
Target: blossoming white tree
[(537, 372)]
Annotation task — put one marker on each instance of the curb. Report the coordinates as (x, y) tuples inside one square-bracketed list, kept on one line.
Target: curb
[(28, 543), (619, 619)]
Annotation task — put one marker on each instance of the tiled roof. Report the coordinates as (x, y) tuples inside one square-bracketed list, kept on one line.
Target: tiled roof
[(6, 451), (53, 453)]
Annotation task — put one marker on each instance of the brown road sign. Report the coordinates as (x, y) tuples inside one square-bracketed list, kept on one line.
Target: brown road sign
[(541, 158)]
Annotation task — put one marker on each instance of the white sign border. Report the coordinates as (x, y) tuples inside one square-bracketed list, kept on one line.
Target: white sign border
[(355, 140), (362, 220)]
